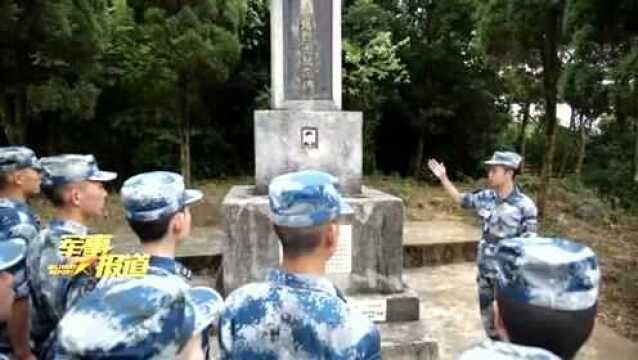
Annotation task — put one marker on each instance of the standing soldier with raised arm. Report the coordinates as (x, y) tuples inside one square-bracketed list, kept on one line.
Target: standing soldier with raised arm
[(19, 180), (505, 212)]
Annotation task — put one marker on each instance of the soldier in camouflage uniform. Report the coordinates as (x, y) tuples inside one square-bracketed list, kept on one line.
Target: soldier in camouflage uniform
[(546, 299), (19, 180), (159, 315), (504, 211), (12, 251), (297, 313), (74, 185)]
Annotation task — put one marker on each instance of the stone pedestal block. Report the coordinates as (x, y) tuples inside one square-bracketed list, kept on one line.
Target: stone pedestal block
[(251, 247), (287, 141)]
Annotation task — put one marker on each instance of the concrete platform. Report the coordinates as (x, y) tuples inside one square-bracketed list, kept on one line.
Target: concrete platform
[(425, 243)]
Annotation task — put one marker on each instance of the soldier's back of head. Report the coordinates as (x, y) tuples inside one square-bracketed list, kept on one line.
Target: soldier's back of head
[(546, 294)]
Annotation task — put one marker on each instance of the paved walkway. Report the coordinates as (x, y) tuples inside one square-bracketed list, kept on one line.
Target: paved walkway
[(450, 310)]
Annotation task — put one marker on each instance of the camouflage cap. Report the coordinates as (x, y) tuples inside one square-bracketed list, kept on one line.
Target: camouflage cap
[(142, 318), (11, 252), (17, 157), (63, 169), (551, 273), (152, 195), (306, 198), (505, 158)]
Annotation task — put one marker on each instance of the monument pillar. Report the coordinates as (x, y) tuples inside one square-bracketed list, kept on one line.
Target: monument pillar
[(306, 129)]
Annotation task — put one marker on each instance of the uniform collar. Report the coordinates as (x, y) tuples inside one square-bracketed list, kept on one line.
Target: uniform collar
[(302, 281), (68, 227), (6, 202), (13, 203), (516, 192), (170, 265)]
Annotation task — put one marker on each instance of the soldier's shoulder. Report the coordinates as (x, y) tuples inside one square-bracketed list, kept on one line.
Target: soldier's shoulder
[(498, 350), (255, 292), (525, 201)]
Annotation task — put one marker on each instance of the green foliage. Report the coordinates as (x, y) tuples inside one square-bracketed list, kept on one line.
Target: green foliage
[(433, 79)]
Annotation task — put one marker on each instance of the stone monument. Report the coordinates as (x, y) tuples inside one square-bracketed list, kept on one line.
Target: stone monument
[(306, 129)]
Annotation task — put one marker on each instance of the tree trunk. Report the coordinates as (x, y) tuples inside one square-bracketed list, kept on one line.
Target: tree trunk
[(568, 144), (370, 125), (419, 154), (550, 81), (636, 150), (16, 108), (184, 134), (582, 143), (522, 138)]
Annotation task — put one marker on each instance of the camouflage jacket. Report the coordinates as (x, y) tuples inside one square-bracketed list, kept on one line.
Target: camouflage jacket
[(498, 350), (294, 316), (52, 295), (17, 220), (513, 216)]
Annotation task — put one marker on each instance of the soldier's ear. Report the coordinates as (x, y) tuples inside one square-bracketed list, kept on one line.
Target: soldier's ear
[(332, 235), (12, 177), (177, 223), (73, 195)]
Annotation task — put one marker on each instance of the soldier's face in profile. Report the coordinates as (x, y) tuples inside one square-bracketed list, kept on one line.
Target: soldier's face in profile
[(29, 180), (91, 198), (6, 295)]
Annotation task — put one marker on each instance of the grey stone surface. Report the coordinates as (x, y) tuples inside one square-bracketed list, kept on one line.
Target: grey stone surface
[(308, 49), (407, 341), (306, 54), (279, 145), (401, 307), (251, 247)]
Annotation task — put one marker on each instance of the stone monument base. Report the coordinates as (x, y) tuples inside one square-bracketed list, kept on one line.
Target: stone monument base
[(403, 306), (407, 341), (367, 266)]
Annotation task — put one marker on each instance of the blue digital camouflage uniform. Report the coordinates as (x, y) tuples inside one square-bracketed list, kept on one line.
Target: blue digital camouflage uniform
[(152, 317), (550, 273), (51, 295), (17, 220), (12, 252), (147, 318), (294, 315), (500, 219), (499, 350)]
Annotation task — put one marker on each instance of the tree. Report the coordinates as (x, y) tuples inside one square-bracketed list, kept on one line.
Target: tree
[(49, 53), (183, 46), (515, 31), (372, 68), (582, 87), (523, 88)]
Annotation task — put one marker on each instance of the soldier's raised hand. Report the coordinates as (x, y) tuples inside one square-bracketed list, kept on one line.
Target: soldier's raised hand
[(438, 169)]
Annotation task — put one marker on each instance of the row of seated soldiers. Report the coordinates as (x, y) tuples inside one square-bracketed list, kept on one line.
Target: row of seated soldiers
[(546, 295)]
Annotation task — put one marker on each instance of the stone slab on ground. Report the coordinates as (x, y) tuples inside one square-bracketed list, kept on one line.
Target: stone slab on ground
[(450, 308), (407, 341)]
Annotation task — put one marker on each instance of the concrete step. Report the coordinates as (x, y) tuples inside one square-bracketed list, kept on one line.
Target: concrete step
[(438, 242), (425, 243)]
